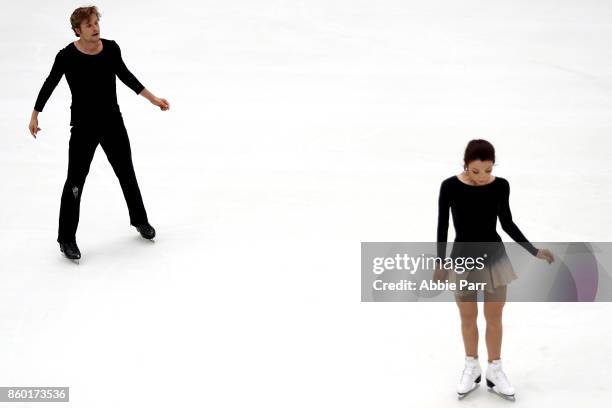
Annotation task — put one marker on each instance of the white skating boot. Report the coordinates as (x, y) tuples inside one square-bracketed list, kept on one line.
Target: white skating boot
[(497, 381), (470, 377)]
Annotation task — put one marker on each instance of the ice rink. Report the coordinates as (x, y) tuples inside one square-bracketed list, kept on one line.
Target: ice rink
[(297, 130)]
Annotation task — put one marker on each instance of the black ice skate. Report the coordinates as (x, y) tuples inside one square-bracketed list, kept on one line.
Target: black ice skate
[(70, 250), (146, 230)]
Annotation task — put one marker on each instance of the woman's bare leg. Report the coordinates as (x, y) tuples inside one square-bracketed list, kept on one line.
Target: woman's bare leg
[(468, 311), (493, 308)]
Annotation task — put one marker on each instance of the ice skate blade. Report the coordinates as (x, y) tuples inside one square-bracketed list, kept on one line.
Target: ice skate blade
[(504, 396), (74, 261), (465, 394), (147, 238)]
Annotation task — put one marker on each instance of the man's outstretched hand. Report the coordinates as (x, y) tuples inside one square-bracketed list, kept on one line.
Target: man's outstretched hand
[(162, 103)]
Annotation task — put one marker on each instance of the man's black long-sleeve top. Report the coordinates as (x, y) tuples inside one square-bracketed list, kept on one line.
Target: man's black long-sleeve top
[(91, 79)]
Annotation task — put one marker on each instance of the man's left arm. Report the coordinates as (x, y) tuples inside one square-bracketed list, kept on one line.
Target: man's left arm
[(134, 84)]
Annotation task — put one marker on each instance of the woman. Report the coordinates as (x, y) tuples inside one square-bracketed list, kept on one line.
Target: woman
[(477, 199)]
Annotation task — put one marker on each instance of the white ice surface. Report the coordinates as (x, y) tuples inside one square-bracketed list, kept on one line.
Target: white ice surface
[(299, 129)]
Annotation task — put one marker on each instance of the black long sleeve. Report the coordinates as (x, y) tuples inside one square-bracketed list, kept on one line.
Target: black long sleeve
[(505, 219), (92, 81), (57, 71), (443, 213), (475, 210), (124, 73)]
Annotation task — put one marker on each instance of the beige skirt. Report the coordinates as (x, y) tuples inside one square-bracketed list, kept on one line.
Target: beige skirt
[(493, 275)]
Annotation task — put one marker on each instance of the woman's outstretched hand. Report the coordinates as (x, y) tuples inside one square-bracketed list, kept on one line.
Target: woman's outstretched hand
[(546, 255), (440, 275), (162, 103), (33, 126)]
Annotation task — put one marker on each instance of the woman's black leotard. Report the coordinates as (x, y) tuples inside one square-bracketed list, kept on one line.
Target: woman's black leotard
[(475, 210)]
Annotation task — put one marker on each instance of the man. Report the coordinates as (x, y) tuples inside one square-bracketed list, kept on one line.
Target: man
[(91, 65)]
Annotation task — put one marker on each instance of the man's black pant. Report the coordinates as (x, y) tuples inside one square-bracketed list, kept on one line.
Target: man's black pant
[(111, 134)]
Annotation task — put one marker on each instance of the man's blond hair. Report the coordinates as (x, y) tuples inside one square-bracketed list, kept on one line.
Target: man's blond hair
[(82, 14)]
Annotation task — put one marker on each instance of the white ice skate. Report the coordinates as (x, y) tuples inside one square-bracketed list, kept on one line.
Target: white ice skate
[(497, 381), (470, 377)]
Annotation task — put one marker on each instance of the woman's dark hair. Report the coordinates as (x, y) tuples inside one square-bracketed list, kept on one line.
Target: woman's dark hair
[(478, 149)]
